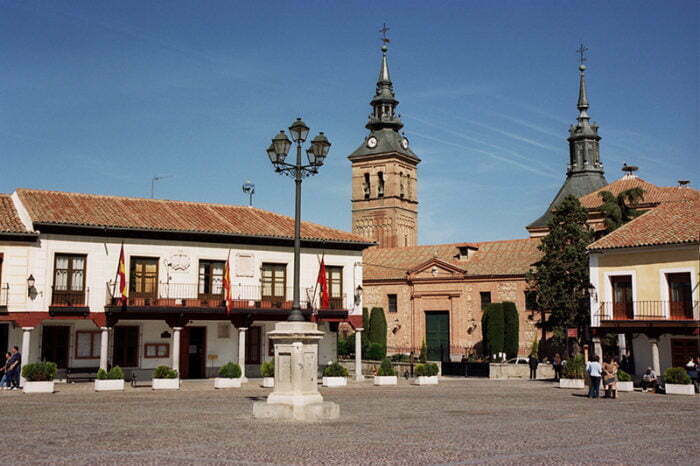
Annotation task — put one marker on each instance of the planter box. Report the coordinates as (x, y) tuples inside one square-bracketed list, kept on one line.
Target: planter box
[(625, 386), (166, 384), (38, 387), (222, 382), (424, 380), (385, 380), (571, 383), (335, 381), (268, 382), (678, 389), (109, 385)]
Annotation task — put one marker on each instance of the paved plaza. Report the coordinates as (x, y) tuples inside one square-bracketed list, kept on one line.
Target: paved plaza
[(459, 421)]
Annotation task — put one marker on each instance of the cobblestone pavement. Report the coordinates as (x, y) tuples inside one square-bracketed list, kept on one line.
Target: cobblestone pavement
[(459, 421)]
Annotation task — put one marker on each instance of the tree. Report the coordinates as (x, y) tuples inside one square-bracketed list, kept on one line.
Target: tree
[(511, 329), (618, 210), (560, 277), (493, 336), (377, 327)]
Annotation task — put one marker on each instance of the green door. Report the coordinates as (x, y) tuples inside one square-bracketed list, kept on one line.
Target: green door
[(437, 335)]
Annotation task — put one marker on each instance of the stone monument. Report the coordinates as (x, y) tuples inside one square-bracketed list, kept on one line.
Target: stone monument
[(296, 395)]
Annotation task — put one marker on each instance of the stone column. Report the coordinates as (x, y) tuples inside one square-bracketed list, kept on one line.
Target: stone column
[(241, 351), (26, 341), (621, 344), (104, 347), (655, 364), (358, 355), (176, 349)]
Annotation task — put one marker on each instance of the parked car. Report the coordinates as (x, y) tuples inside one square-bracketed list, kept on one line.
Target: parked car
[(518, 360)]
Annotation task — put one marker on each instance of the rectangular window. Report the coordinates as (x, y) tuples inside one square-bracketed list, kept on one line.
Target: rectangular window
[(69, 280), (334, 277), (156, 350), (274, 283), (485, 299), (531, 301), (211, 278), (87, 345), (392, 303), (143, 277)]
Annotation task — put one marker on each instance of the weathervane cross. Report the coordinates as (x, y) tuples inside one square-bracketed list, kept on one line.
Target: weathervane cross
[(581, 51), (384, 30)]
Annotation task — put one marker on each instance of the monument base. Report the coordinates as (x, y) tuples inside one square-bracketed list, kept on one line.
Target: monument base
[(323, 411)]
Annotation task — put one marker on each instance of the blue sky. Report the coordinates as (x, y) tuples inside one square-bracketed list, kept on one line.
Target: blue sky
[(101, 96)]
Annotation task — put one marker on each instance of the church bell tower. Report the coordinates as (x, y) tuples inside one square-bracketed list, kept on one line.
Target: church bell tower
[(384, 173)]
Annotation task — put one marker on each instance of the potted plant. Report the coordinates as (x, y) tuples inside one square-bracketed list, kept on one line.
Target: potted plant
[(267, 370), (385, 374), (624, 382), (677, 382), (39, 377), (335, 375), (229, 376), (426, 374), (574, 373), (165, 378), (108, 381)]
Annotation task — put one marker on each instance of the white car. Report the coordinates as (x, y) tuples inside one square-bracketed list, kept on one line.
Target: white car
[(518, 360)]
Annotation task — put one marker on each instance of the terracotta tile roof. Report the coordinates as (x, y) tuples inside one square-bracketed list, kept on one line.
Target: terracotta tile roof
[(653, 194), (53, 207), (9, 220), (511, 257), (670, 223)]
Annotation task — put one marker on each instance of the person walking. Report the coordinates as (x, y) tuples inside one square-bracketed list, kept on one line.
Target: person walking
[(13, 366), (5, 381), (556, 364), (595, 371), (533, 362)]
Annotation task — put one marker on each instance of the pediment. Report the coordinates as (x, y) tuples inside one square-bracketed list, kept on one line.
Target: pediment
[(436, 269)]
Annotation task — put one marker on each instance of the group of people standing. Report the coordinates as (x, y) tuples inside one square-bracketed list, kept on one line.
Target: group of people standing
[(10, 371), (606, 374)]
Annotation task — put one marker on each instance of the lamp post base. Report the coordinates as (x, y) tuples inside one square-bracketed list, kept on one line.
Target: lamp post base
[(296, 396)]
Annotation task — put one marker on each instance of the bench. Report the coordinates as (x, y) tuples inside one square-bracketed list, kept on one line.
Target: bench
[(81, 374), (140, 378)]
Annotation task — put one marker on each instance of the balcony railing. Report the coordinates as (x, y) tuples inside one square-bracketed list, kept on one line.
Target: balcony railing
[(648, 310), (69, 298), (4, 292), (243, 297)]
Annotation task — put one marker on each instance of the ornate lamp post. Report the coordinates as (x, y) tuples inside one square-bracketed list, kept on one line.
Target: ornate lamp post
[(296, 394), (316, 154)]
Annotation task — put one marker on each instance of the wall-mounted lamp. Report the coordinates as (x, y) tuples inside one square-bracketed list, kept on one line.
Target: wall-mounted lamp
[(358, 295), (30, 285)]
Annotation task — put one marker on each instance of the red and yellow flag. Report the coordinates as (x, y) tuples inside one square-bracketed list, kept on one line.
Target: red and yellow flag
[(121, 276), (227, 284), (323, 283)]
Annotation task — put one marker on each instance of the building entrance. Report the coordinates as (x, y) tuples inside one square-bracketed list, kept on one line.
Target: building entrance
[(437, 335)]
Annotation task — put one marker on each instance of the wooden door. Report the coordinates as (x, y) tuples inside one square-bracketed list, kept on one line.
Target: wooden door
[(55, 341), (196, 352), (437, 335), (253, 345), (126, 346), (680, 295), (622, 297), (143, 278)]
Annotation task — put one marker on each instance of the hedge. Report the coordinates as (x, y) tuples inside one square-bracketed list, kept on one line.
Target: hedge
[(426, 370), (335, 370), (385, 369), (39, 371), (230, 370), (511, 329), (164, 372), (677, 375)]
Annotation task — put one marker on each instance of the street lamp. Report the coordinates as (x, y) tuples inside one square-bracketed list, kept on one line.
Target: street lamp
[(277, 152)]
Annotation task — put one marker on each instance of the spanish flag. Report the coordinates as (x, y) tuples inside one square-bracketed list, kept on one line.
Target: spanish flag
[(227, 284), (322, 281), (121, 276)]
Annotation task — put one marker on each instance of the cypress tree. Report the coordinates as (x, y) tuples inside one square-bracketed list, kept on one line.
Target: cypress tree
[(484, 333), (494, 331), (377, 327), (511, 329)]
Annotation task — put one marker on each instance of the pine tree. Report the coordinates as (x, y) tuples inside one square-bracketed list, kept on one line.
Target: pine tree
[(560, 277), (618, 210)]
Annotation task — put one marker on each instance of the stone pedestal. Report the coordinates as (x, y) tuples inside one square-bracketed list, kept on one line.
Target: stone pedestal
[(296, 395)]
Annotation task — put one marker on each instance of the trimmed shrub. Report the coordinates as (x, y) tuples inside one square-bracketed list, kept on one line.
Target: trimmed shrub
[(164, 372), (400, 357), (575, 368), (267, 369), (377, 327), (39, 371), (343, 346), (676, 375), (494, 335), (423, 356), (335, 370), (115, 373), (484, 333), (365, 321), (385, 369), (623, 376), (375, 352), (102, 374), (535, 348), (511, 329), (426, 370), (230, 370)]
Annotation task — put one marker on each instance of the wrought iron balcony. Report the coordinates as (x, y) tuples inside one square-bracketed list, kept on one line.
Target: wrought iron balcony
[(69, 298), (648, 310), (190, 295)]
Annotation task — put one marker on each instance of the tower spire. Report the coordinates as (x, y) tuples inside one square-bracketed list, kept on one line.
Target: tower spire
[(582, 97)]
